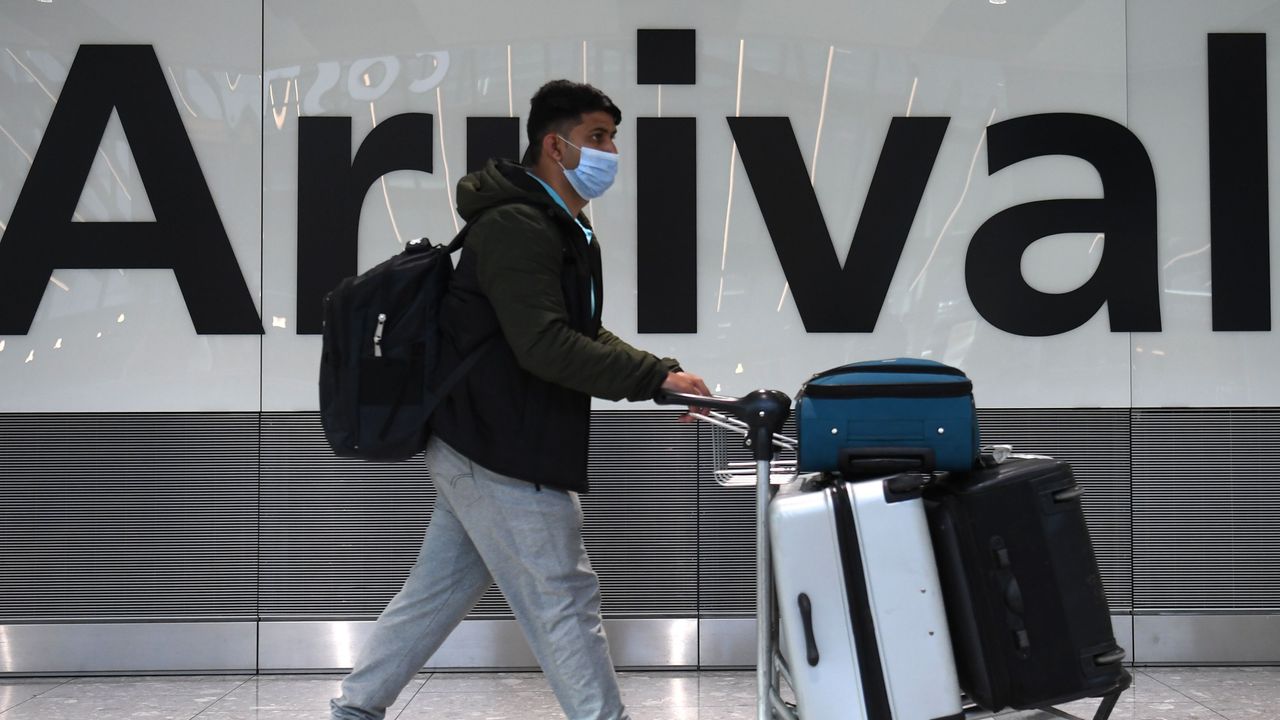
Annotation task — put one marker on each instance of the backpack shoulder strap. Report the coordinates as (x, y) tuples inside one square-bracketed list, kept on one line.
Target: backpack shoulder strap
[(446, 386), (461, 237)]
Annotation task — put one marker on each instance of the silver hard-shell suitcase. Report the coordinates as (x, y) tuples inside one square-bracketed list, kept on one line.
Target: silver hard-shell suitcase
[(864, 628)]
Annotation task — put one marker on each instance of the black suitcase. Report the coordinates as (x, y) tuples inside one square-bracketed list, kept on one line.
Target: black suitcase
[(1029, 619)]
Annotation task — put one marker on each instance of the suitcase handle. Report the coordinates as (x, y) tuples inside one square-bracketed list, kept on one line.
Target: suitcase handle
[(806, 618), (1110, 658), (885, 460), (1069, 494)]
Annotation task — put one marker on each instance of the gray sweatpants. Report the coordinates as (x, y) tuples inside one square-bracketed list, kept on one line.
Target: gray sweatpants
[(488, 527)]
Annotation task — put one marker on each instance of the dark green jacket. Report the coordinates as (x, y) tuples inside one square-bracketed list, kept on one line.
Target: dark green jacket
[(525, 277)]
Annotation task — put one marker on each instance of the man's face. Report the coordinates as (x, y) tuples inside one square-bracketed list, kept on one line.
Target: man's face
[(597, 130)]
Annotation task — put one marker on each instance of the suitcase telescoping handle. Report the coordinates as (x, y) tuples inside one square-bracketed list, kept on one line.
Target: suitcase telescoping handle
[(764, 412), (885, 460)]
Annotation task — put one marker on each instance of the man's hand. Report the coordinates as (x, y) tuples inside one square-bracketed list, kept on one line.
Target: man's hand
[(683, 382)]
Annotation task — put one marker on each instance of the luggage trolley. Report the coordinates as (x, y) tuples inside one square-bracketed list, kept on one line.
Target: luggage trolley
[(759, 416)]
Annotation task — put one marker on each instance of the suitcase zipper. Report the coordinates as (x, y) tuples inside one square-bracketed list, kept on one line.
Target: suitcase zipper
[(890, 369), (377, 335), (912, 390)]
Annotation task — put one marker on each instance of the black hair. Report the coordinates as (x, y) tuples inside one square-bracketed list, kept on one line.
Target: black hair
[(560, 104)]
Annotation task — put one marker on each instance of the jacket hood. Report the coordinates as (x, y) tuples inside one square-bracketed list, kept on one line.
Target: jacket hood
[(500, 181)]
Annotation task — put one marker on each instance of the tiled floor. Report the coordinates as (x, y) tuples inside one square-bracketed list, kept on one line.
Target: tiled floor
[(1157, 694)]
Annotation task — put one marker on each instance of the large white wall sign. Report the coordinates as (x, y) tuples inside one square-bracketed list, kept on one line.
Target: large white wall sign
[(122, 339), (241, 75)]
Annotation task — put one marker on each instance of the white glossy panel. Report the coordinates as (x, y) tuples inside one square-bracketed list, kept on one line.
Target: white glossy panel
[(972, 61), (316, 65), (839, 71), (111, 340), (1188, 364)]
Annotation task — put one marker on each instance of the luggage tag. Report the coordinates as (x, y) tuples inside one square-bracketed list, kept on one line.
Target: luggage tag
[(992, 455)]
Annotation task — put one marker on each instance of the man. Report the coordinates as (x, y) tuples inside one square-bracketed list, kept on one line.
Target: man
[(508, 454)]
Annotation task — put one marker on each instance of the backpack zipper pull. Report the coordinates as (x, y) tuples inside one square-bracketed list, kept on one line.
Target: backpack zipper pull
[(377, 335)]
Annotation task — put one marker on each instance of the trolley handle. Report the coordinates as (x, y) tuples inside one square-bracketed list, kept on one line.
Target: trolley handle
[(764, 412), (735, 425), (714, 402)]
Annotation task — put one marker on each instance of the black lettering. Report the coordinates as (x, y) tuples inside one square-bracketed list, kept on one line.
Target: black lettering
[(1239, 224), (331, 191), (666, 57), (832, 298), (666, 225), (187, 235), (1126, 280), (492, 137)]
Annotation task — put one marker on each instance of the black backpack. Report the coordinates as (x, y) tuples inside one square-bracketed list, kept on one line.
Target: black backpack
[(380, 348)]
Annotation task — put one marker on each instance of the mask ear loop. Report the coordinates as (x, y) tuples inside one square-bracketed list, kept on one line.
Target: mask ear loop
[(575, 147)]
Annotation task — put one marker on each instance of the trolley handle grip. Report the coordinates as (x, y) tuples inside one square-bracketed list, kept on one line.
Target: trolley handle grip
[(764, 412), (714, 402)]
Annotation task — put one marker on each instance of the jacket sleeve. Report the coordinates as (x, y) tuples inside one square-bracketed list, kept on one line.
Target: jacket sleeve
[(608, 338), (518, 265)]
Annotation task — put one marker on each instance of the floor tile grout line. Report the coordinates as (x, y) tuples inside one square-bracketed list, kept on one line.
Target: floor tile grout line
[(1213, 710), (72, 681), (1212, 706), (248, 680), (415, 695), (5, 711), (1176, 690)]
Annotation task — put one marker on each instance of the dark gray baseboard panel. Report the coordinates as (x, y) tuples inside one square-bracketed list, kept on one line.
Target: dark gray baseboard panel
[(1206, 498), (1096, 443), (119, 516), (338, 535)]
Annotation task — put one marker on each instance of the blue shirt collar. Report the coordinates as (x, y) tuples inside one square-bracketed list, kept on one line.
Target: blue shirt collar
[(556, 196)]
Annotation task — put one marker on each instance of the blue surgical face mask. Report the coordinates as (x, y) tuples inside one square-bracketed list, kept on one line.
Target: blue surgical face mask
[(595, 172)]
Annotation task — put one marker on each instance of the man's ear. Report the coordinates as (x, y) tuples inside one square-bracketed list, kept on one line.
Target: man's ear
[(550, 148)]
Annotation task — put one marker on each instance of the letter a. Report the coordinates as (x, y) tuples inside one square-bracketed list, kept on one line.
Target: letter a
[(187, 235)]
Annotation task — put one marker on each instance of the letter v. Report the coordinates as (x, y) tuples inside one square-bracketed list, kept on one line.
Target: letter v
[(832, 298)]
